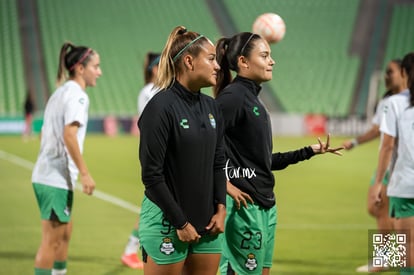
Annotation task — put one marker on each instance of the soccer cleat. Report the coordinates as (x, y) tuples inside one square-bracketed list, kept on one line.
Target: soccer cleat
[(363, 269), (132, 261)]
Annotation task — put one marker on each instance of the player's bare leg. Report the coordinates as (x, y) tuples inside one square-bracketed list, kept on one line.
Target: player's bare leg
[(266, 271), (152, 268), (52, 235), (201, 264), (407, 224)]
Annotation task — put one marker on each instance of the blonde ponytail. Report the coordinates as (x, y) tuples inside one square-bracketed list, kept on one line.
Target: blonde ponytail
[(179, 41), (166, 69)]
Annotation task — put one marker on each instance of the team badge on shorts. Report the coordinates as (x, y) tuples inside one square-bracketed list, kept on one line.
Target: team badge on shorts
[(167, 246), (251, 262), (212, 121)]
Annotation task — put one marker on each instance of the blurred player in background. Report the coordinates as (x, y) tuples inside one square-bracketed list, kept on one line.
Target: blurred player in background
[(60, 158), (182, 158), (28, 115), (150, 74), (397, 128), (130, 257), (393, 84), (248, 240)]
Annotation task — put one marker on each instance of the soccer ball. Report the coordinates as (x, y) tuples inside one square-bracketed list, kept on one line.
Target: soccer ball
[(270, 26)]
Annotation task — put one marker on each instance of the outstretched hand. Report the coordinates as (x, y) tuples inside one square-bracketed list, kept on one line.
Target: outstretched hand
[(322, 147)]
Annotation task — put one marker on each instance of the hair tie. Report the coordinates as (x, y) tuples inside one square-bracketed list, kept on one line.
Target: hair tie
[(226, 43), (84, 56), (182, 31), (153, 63), (186, 47)]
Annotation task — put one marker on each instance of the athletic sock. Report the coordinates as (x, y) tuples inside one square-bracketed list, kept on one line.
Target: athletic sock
[(135, 233), (41, 271), (133, 243), (59, 268)]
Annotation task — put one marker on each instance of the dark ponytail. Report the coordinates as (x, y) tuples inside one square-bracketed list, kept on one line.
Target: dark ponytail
[(224, 74), (407, 65), (228, 51), (70, 56)]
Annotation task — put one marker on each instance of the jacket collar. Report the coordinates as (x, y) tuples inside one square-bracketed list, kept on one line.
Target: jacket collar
[(185, 94), (250, 84)]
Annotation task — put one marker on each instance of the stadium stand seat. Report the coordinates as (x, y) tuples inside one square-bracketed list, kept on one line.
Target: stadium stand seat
[(122, 33), (400, 39), (12, 86), (317, 78)]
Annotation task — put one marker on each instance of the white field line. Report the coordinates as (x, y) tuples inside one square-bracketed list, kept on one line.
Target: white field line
[(133, 208), (98, 194)]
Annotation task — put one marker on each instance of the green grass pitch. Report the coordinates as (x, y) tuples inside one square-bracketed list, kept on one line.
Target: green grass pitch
[(322, 219)]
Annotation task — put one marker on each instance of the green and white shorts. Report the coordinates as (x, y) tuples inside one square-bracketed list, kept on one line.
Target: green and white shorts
[(55, 204), (159, 238), (401, 207), (385, 180), (248, 239)]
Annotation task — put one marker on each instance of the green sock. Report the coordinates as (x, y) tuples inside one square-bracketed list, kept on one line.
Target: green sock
[(59, 265), (41, 271), (135, 233)]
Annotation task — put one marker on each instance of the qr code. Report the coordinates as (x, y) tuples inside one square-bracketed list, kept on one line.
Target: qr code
[(389, 250)]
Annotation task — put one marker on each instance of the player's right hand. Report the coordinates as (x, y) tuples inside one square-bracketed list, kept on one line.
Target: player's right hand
[(188, 234)]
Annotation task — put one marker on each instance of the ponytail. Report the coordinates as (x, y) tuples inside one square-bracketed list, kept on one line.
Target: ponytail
[(166, 69), (179, 41), (228, 51), (224, 74), (407, 65), (70, 56), (61, 75)]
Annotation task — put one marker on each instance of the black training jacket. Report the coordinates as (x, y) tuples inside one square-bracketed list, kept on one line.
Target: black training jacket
[(182, 156), (248, 139)]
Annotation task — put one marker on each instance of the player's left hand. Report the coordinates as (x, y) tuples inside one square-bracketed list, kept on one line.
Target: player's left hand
[(240, 198), (322, 147), (216, 225), (88, 183)]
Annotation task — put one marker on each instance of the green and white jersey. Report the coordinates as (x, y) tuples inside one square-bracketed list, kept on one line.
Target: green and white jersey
[(402, 180), (54, 166), (378, 116), (393, 109), (379, 111)]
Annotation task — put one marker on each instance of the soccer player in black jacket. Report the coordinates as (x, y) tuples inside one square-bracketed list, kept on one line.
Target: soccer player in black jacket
[(182, 158), (248, 240)]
